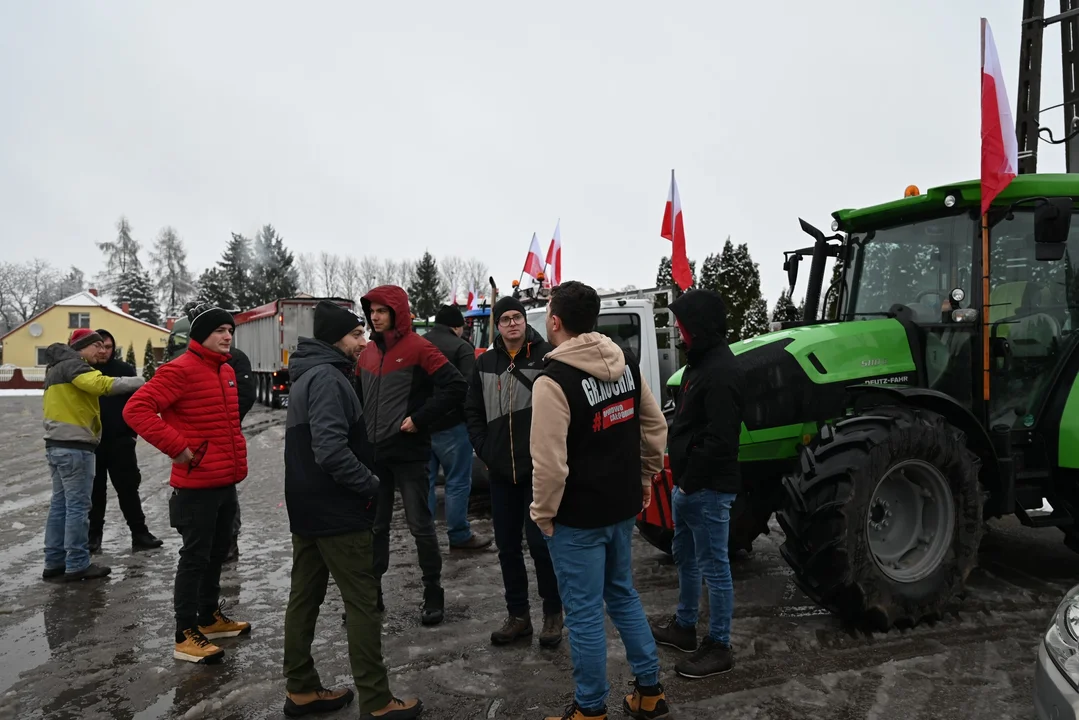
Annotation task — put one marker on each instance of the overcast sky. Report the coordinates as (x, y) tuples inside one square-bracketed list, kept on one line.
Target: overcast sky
[(462, 128)]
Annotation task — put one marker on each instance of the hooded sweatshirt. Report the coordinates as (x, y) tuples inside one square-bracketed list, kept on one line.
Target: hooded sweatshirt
[(403, 375), (597, 436), (113, 427), (72, 413), (703, 438), (328, 488)]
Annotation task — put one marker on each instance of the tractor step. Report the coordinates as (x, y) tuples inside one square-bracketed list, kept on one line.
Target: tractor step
[(1035, 519)]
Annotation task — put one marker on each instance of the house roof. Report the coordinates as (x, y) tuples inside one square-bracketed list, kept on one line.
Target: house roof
[(86, 299)]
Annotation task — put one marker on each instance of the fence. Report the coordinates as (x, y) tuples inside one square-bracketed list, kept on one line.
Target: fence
[(16, 378)]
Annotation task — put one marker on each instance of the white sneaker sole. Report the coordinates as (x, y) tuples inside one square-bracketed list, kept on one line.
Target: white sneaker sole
[(229, 634), (198, 659), (701, 676)]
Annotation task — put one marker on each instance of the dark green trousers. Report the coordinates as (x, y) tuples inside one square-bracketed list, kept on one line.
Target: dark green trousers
[(349, 558)]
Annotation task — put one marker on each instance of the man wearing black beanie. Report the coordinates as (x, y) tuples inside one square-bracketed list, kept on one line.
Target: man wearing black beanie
[(450, 447)]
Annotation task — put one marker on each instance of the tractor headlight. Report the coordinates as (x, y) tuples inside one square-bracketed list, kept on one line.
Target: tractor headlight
[(965, 315), (1062, 637), (835, 225), (958, 295), (949, 201)]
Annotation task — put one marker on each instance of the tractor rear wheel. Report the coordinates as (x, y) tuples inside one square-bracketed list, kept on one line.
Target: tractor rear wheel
[(884, 517)]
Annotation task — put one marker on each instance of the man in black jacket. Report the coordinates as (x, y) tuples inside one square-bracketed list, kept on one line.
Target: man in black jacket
[(116, 459), (331, 495), (703, 449), (450, 446), (499, 414)]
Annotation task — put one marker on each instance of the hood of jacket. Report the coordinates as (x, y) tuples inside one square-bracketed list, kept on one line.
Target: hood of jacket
[(593, 353), (58, 353), (703, 314), (311, 353), (396, 299), (531, 338)]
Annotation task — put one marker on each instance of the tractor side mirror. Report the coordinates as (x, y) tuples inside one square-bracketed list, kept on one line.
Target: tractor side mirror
[(791, 266), (1052, 223)]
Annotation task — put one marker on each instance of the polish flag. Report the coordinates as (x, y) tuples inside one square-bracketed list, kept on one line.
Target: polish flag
[(1000, 149), (473, 301), (676, 233), (554, 256), (453, 297), (534, 261)]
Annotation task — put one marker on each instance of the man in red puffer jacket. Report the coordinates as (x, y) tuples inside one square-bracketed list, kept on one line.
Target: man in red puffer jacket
[(190, 412)]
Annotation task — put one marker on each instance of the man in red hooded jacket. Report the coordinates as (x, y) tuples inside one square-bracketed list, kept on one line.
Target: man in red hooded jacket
[(190, 412), (406, 384)]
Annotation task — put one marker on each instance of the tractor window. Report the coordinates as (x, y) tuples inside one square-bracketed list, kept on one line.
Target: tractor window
[(1033, 309), (916, 265)]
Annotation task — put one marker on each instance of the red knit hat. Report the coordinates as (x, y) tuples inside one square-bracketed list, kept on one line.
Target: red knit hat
[(83, 338)]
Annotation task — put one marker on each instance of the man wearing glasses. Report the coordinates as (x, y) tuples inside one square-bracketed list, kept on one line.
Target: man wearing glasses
[(499, 415)]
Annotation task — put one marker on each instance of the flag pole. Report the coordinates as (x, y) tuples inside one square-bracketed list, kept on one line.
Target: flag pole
[(985, 309)]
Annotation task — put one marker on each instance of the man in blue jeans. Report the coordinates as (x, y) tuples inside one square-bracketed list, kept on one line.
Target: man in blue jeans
[(597, 440), (72, 419), (450, 446), (703, 449)]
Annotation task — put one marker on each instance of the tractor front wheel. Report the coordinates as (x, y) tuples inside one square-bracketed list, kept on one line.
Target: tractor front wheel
[(884, 517)]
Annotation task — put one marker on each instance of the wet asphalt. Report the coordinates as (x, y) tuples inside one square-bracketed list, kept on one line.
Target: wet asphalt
[(103, 649)]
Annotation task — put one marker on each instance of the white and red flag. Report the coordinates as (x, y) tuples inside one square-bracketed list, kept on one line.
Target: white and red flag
[(473, 301), (1000, 149), (453, 297), (674, 231), (533, 261), (554, 256)]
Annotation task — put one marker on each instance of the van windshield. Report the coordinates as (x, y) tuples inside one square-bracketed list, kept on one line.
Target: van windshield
[(623, 328)]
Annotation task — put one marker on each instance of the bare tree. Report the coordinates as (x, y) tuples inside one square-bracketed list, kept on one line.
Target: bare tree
[(452, 269), (307, 269), (121, 255), (370, 274), (172, 279), (27, 289), (329, 267), (475, 271), (350, 278)]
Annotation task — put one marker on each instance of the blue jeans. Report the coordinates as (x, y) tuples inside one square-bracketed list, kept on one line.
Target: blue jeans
[(67, 529), (594, 566), (701, 530), (453, 451)]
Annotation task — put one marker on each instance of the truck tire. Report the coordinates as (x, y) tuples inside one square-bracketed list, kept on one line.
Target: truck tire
[(884, 517), (748, 522)]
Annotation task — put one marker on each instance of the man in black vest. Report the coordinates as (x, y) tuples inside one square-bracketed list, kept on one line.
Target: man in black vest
[(597, 439)]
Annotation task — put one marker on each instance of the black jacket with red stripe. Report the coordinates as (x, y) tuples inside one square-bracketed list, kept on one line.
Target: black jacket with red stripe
[(403, 375)]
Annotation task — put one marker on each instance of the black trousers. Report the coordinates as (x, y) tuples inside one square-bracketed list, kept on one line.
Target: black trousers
[(204, 520), (116, 460), (414, 482), (509, 515)]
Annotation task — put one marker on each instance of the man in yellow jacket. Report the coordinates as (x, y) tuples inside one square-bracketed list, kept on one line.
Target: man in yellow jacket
[(72, 432)]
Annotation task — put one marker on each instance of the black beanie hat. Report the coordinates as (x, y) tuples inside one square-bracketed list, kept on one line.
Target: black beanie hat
[(450, 316), (505, 305), (206, 318), (333, 322)]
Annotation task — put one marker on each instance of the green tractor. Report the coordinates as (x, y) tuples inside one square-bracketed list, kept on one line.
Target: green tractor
[(940, 391)]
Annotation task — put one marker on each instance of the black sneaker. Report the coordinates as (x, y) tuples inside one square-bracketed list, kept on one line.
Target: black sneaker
[(145, 540), (434, 606), (672, 634), (712, 658), (53, 573), (95, 543), (90, 572), (514, 628)]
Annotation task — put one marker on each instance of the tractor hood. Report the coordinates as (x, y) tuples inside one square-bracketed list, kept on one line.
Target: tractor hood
[(798, 377)]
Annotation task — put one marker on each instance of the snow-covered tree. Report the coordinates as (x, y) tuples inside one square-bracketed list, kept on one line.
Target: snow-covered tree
[(149, 364), (172, 279), (426, 291), (273, 273), (785, 310), (756, 322), (213, 287), (236, 264), (740, 285), (134, 288), (130, 358), (121, 256), (665, 277)]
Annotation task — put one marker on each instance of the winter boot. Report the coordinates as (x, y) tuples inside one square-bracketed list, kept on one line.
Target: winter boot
[(224, 627), (397, 710), (476, 542), (434, 606), (574, 712), (712, 658), (319, 701), (145, 540), (672, 634), (95, 543), (551, 634), (513, 629), (192, 646), (90, 572), (646, 703)]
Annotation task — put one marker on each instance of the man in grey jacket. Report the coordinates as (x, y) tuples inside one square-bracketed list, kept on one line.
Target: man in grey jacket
[(331, 498), (450, 446)]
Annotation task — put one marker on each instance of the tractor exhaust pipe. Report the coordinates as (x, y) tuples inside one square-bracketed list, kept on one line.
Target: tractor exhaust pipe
[(816, 271)]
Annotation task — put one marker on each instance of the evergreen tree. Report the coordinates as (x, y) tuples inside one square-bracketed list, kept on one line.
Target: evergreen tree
[(665, 278), (274, 274), (740, 285), (130, 359), (73, 282), (711, 272), (802, 309), (121, 256), (213, 287), (236, 265), (149, 364), (426, 293), (137, 291), (172, 279), (756, 322), (831, 312), (785, 311)]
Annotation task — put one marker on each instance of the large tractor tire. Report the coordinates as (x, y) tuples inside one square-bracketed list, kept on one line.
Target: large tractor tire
[(884, 517), (749, 520)]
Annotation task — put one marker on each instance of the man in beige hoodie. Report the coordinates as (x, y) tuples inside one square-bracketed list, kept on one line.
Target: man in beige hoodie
[(597, 439)]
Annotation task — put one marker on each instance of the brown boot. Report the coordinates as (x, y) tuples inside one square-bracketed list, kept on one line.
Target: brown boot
[(476, 542), (513, 629), (574, 712), (319, 701), (397, 710), (646, 703), (551, 634)]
